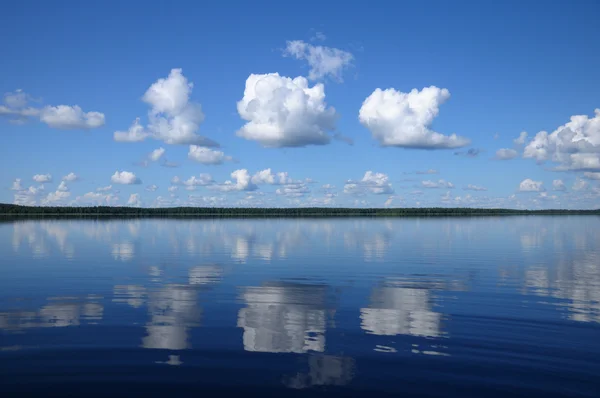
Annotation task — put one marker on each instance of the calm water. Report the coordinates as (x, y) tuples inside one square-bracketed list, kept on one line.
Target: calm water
[(413, 307)]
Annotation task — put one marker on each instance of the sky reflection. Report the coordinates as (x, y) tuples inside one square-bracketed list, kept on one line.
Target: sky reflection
[(326, 292)]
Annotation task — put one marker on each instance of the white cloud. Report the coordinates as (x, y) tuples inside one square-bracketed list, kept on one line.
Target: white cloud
[(104, 189), (16, 100), (403, 119), (29, 196), (173, 188), (266, 176), (134, 200), (591, 175), (70, 117), (471, 187), (294, 190), (57, 197), (41, 178), (376, 183), (16, 185), (135, 133), (437, 184), (580, 185), (61, 116), (496, 136), (506, 154), (285, 112), (156, 154), (242, 182), (151, 188), (193, 182), (521, 139), (574, 146), (447, 197), (70, 177), (528, 185), (173, 118), (559, 185), (20, 113), (323, 61), (125, 177), (96, 198), (206, 155), (62, 187)]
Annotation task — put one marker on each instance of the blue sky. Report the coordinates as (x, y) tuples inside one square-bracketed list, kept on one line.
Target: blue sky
[(295, 90)]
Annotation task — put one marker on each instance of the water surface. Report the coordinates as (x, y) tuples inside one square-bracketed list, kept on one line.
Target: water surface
[(403, 306)]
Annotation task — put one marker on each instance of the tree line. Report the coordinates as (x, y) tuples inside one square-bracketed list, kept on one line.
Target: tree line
[(18, 210)]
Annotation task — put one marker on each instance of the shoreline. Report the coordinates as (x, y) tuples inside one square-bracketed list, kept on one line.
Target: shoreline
[(18, 211)]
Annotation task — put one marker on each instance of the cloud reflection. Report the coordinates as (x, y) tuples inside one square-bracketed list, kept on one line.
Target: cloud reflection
[(284, 317), (323, 370), (172, 307), (395, 310), (60, 312)]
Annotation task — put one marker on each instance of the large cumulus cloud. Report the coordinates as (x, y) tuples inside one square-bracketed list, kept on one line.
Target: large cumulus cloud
[(285, 112), (173, 117), (573, 146), (403, 119)]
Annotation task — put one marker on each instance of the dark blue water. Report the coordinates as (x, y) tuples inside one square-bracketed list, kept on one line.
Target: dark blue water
[(407, 307)]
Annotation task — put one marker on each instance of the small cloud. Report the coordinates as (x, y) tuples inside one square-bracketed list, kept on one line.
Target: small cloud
[(42, 178), (558, 185), (125, 177), (437, 184), (580, 185), (528, 185), (375, 183), (322, 61), (16, 185), (71, 177), (156, 154), (592, 175), (134, 200), (62, 187), (471, 187), (521, 139), (207, 156)]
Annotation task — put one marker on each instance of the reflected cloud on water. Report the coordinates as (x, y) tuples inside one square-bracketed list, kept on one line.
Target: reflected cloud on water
[(172, 307), (406, 288), (284, 317), (266, 240), (571, 275), (123, 251), (574, 281), (323, 370), (60, 312), (399, 308)]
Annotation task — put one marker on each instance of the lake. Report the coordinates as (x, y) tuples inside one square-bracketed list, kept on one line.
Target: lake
[(482, 306)]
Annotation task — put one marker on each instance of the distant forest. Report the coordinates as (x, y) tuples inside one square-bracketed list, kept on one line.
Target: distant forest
[(17, 210)]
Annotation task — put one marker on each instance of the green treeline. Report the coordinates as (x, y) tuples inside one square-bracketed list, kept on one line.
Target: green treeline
[(17, 210)]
